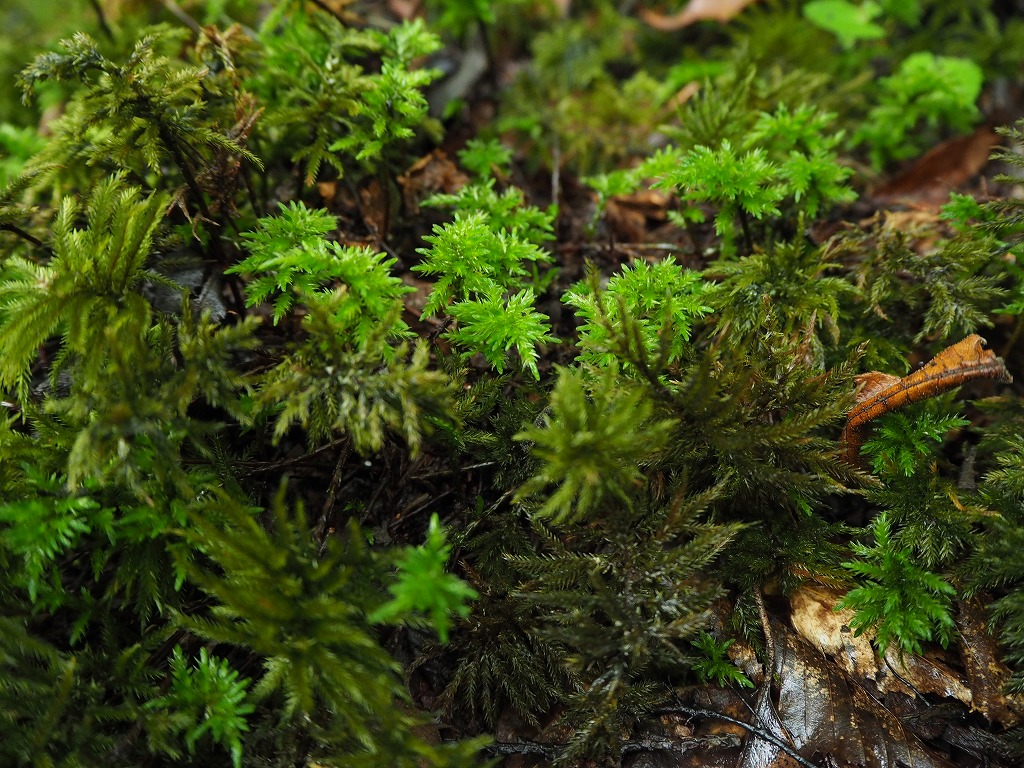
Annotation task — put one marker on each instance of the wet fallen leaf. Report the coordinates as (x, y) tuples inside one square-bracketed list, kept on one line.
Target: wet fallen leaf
[(986, 674), (929, 674), (964, 361), (931, 177), (824, 712), (814, 616), (759, 752), (695, 10)]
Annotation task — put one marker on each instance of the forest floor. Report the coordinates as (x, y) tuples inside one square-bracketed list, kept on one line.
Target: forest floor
[(763, 516)]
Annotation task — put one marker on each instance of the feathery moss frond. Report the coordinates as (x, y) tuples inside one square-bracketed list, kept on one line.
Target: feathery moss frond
[(95, 276)]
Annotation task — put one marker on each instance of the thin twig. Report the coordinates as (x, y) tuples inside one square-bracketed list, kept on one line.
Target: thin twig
[(481, 465), (402, 517), (368, 509), (332, 494), (679, 746), (521, 748), (273, 466), (766, 626), (967, 480), (746, 232), (631, 747), (102, 19), (758, 732), (176, 11), (492, 60), (451, 471), (1018, 327), (556, 169), (14, 229)]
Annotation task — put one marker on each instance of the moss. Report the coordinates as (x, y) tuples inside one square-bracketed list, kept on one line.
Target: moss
[(378, 468)]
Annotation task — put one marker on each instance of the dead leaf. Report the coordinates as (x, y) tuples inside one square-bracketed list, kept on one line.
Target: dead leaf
[(962, 362), (695, 10), (929, 674), (761, 753), (375, 206), (628, 215), (815, 619), (430, 174), (827, 713), (327, 190), (986, 674), (931, 177), (871, 383), (814, 616)]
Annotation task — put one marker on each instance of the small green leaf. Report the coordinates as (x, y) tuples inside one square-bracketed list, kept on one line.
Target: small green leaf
[(423, 586), (850, 23)]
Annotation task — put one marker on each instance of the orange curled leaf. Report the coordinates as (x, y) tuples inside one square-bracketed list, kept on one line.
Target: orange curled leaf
[(871, 383), (882, 393)]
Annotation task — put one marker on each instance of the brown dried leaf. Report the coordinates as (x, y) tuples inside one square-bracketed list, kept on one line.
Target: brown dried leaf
[(625, 223), (964, 361), (628, 215), (695, 10), (825, 712), (871, 383), (327, 190), (430, 174), (814, 616), (374, 204), (943, 168), (986, 674), (929, 674)]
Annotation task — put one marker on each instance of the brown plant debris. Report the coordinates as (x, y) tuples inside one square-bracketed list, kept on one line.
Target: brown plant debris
[(882, 393)]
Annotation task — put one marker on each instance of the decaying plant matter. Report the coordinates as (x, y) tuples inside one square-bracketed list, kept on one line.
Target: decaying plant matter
[(880, 393)]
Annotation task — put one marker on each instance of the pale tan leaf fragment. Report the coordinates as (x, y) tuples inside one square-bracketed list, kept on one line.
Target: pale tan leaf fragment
[(929, 674), (695, 10), (814, 616)]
